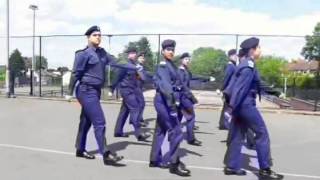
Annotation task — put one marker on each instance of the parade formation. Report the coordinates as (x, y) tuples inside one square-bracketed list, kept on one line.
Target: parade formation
[(173, 101)]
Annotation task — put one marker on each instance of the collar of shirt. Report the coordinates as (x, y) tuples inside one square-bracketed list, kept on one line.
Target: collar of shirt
[(250, 63), (94, 49)]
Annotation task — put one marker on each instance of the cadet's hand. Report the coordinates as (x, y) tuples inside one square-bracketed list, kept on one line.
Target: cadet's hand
[(228, 116), (173, 114), (68, 98), (173, 111), (211, 79)]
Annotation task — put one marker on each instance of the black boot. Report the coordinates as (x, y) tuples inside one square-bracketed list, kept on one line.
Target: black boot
[(195, 142), (266, 174), (161, 165), (230, 171), (143, 137), (112, 159), (179, 169), (121, 135), (84, 154)]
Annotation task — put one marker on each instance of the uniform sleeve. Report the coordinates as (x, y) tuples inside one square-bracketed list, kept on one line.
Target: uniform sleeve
[(241, 87), (186, 90), (227, 76), (162, 82), (182, 78), (119, 76), (112, 61), (79, 66)]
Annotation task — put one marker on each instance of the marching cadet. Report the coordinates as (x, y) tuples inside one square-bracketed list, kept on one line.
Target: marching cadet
[(167, 85), (187, 99), (129, 90), (147, 79), (241, 95), (231, 66), (88, 78)]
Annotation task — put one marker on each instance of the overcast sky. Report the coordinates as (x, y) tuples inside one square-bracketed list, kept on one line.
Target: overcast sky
[(165, 16)]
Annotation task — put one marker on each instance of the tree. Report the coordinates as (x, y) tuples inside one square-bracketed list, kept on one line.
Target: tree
[(16, 63), (28, 62), (311, 50), (44, 63), (271, 68), (209, 61), (143, 45)]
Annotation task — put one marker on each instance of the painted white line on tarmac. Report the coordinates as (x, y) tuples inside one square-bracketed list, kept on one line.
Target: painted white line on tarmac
[(138, 161)]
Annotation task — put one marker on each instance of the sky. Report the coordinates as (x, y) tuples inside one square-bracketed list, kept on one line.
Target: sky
[(256, 17)]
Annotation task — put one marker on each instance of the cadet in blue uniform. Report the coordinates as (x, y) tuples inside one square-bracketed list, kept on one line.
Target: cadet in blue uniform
[(129, 88), (187, 99), (231, 66), (88, 77), (168, 85), (241, 95), (147, 79)]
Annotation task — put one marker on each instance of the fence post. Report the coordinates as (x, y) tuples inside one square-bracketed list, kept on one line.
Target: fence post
[(158, 58), (237, 41), (40, 62)]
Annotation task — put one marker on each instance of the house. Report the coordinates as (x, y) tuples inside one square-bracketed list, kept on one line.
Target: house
[(303, 66)]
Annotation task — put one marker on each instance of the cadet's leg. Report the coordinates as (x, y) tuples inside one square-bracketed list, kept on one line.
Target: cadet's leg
[(84, 127), (175, 136), (158, 137), (250, 139), (190, 120), (121, 120), (232, 157), (142, 104), (90, 101), (134, 109), (160, 132), (255, 122), (222, 124)]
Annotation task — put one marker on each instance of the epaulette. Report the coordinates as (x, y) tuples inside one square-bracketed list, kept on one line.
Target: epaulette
[(162, 63), (251, 64)]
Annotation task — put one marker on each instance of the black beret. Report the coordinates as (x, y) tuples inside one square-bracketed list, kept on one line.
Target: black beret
[(184, 55), (250, 43), (232, 52), (91, 30), (131, 49), (168, 43)]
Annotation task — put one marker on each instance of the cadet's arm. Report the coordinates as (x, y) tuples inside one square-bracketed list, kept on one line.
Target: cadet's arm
[(241, 87), (79, 65)]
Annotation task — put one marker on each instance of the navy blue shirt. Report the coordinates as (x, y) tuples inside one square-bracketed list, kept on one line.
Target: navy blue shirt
[(230, 69), (167, 82), (244, 85), (89, 67)]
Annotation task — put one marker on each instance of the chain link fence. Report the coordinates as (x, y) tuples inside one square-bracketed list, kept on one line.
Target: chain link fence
[(55, 56)]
